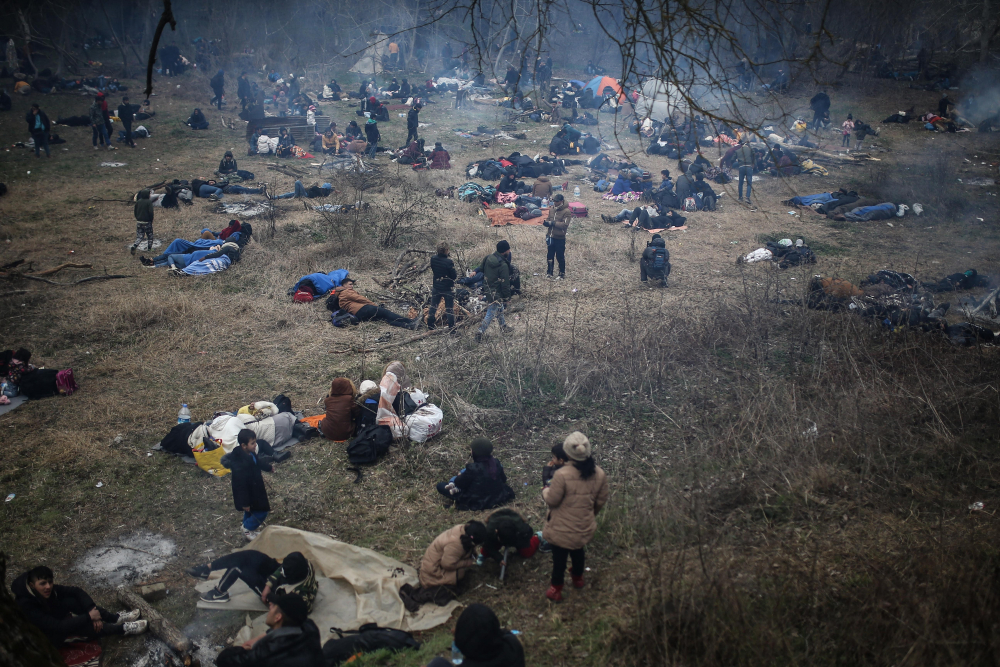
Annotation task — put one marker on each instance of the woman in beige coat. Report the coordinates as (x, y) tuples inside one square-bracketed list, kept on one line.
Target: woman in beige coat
[(444, 564), (575, 495)]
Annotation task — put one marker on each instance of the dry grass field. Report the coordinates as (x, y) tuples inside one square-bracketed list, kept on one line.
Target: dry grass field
[(733, 535)]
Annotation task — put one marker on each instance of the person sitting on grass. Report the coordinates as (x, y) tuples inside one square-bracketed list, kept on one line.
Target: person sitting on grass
[(66, 613), (249, 494), (341, 411), (262, 574), (481, 484), (655, 262), (483, 642), (292, 639), (445, 563), (365, 310), (197, 121), (227, 165)]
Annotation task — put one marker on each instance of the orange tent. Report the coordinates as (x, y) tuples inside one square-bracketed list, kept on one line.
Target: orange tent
[(600, 84)]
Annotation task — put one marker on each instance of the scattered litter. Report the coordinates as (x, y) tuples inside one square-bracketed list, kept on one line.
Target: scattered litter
[(812, 431), (149, 453), (975, 507), (157, 243), (890, 224), (109, 164), (127, 558), (247, 209), (100, 484), (13, 495), (119, 439)]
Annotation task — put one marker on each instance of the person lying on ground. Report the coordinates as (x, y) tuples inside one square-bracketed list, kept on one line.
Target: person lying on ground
[(655, 261), (444, 565), (292, 639), (66, 613), (262, 574), (483, 642), (481, 484), (35, 382), (341, 411), (249, 494), (178, 260), (313, 191), (365, 310), (649, 217), (208, 240)]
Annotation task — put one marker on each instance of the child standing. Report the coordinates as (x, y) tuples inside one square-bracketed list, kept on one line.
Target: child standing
[(249, 493), (143, 220), (846, 129)]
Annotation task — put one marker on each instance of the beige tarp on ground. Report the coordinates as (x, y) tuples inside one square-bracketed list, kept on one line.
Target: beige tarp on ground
[(356, 586)]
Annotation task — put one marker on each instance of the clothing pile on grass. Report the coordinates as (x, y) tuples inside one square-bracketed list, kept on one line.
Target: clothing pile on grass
[(898, 301), (20, 380), (518, 166), (783, 253), (207, 443)]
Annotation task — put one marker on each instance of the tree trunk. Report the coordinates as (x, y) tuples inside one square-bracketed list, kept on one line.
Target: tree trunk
[(118, 42), (159, 626), (990, 25)]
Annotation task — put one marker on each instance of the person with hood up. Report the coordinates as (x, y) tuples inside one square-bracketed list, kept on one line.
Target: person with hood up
[(67, 613), (244, 91), (481, 484), (218, 84), (412, 122), (655, 262), (496, 288), (341, 411), (557, 223), (443, 287), (228, 164), (38, 127), (575, 495), (143, 211), (249, 494), (440, 158), (292, 639), (483, 642), (542, 187), (373, 136), (262, 574), (197, 120), (445, 563)]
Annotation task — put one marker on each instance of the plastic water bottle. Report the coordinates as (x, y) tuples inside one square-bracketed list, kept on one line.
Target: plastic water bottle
[(456, 655), (576, 191), (184, 416), (545, 202)]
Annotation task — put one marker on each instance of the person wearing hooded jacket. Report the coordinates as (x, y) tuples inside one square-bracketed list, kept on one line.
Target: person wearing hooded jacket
[(249, 493), (483, 642), (656, 252), (496, 288), (262, 574), (412, 122), (218, 84), (292, 639), (574, 497), (341, 411), (38, 127), (440, 158), (558, 223), (63, 613), (444, 564), (373, 136), (481, 484), (143, 211)]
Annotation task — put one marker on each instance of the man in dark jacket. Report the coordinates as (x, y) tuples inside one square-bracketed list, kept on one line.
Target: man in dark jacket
[(496, 287), (555, 237), (126, 112), (143, 211), (38, 126), (373, 136), (443, 286), (249, 493), (67, 612), (708, 196), (483, 643), (291, 641), (655, 262), (412, 123), (244, 91), (746, 162), (218, 84), (820, 105)]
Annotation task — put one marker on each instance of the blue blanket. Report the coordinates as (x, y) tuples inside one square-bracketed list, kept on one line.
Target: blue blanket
[(323, 282), (881, 211), (207, 266), (808, 200)]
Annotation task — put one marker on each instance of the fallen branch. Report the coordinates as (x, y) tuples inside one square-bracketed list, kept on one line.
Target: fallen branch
[(47, 272), (11, 265), (987, 301), (125, 201), (158, 626), (75, 282)]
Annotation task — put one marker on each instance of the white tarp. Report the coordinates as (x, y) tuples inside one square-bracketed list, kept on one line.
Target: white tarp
[(658, 99), (356, 586), (370, 61)]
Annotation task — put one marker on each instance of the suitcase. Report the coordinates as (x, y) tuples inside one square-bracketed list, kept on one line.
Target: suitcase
[(578, 210)]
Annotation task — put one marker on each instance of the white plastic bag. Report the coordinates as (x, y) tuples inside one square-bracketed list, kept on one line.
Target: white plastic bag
[(418, 397), (425, 423)]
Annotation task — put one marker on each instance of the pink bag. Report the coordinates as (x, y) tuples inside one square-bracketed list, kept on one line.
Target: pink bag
[(65, 382)]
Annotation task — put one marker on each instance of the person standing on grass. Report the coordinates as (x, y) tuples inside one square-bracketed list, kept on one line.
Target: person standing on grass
[(38, 126), (496, 288), (126, 112), (373, 136), (249, 494), (143, 211), (412, 123), (558, 223), (575, 495), (98, 126), (218, 84), (846, 128), (443, 286), (746, 161)]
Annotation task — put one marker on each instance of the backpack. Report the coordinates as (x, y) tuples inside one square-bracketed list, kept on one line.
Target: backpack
[(342, 318), (369, 637), (659, 259), (369, 444), (690, 204), (282, 402)]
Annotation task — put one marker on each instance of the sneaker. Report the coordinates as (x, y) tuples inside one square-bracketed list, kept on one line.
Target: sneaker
[(95, 148), (128, 616), (215, 595), (251, 535), (561, 276), (199, 571), (132, 249), (135, 627), (543, 545)]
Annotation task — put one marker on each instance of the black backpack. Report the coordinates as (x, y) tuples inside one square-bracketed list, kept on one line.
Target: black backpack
[(369, 637), (369, 444), (659, 262), (283, 403)]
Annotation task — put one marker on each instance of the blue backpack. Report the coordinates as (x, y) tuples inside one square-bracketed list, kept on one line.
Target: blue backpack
[(659, 260)]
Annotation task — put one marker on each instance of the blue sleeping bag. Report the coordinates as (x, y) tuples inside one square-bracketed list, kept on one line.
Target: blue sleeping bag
[(809, 200), (323, 282), (882, 211)]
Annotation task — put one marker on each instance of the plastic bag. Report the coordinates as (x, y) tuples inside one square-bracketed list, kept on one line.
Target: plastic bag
[(425, 423)]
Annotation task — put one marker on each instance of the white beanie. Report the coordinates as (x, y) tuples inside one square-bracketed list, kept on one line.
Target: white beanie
[(367, 385), (577, 446)]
